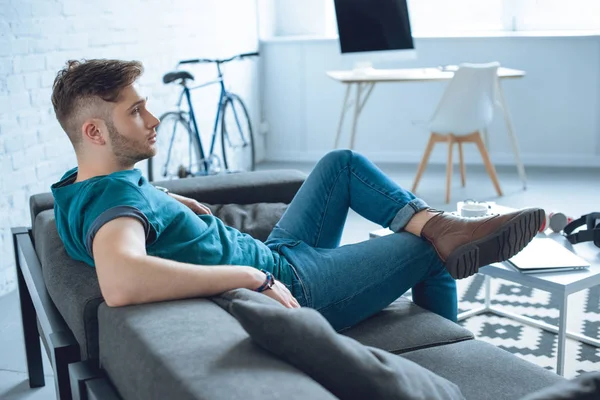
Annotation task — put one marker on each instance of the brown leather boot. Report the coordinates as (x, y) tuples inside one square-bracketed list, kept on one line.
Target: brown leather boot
[(467, 244)]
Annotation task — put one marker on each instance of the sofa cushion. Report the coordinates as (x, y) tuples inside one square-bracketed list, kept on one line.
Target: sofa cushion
[(585, 387), (305, 339), (38, 203), (257, 220), (483, 371), (403, 326), (192, 349), (73, 285)]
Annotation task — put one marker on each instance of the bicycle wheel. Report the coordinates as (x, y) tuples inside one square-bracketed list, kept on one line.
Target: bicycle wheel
[(178, 150), (237, 140)]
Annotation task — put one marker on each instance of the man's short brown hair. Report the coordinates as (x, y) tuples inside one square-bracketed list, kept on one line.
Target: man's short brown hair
[(81, 85)]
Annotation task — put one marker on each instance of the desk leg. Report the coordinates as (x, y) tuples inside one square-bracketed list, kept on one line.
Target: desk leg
[(359, 103), (513, 138), (359, 87), (562, 336), (342, 115)]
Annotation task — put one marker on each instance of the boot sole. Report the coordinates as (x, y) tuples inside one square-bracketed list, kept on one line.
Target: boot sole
[(499, 246)]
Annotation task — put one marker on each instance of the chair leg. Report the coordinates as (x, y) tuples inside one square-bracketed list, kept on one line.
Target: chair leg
[(449, 167), (511, 132), (463, 177), (486, 138), (488, 163), (424, 160)]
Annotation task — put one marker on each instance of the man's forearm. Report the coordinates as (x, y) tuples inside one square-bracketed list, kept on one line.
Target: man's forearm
[(145, 279)]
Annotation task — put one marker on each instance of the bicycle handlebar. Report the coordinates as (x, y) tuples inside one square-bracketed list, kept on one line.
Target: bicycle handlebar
[(255, 54), (218, 61), (193, 61)]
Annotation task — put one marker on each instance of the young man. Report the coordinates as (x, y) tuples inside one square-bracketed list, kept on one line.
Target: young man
[(150, 246)]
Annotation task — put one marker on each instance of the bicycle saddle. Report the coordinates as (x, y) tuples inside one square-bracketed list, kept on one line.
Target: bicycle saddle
[(173, 76)]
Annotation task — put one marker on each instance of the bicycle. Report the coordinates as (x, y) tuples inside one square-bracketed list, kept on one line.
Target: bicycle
[(183, 160)]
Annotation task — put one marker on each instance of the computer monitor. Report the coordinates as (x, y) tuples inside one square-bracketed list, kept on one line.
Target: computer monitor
[(374, 30)]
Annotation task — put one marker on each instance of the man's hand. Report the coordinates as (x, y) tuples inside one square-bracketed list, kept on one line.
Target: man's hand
[(281, 293), (192, 204)]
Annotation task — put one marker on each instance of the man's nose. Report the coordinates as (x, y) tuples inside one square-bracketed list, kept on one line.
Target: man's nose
[(153, 122)]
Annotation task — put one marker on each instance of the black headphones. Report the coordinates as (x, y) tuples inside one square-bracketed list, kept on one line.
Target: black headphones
[(592, 233)]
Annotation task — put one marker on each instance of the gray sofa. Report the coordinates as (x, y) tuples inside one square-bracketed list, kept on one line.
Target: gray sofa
[(194, 349)]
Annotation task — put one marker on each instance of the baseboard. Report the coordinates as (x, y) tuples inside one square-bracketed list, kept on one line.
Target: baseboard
[(8, 280), (499, 159)]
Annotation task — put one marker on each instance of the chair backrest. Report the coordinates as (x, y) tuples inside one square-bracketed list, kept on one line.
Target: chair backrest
[(468, 102)]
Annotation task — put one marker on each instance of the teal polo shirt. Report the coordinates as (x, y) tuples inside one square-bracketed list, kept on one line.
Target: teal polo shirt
[(173, 231)]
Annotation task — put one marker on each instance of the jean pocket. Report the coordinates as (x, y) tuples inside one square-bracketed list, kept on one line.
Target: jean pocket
[(298, 289), (287, 243)]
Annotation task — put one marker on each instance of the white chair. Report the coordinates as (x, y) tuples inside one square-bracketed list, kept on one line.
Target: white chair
[(462, 116)]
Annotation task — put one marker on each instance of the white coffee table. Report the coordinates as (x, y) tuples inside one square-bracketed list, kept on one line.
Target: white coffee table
[(561, 284)]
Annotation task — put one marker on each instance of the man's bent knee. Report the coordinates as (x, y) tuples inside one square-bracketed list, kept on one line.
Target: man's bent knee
[(339, 157)]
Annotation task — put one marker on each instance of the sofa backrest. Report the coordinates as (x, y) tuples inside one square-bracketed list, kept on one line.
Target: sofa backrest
[(269, 186), (261, 199)]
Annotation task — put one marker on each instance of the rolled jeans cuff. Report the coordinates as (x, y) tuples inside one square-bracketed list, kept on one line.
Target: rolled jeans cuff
[(406, 213)]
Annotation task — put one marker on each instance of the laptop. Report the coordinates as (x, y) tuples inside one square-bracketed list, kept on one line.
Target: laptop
[(546, 255)]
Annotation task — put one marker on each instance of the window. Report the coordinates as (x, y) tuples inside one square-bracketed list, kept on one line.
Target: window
[(443, 16), (557, 14), (429, 17)]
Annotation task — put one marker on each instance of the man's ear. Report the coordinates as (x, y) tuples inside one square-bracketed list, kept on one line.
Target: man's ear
[(94, 129)]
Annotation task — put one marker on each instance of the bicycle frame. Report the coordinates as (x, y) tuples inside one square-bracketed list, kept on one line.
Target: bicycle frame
[(222, 96)]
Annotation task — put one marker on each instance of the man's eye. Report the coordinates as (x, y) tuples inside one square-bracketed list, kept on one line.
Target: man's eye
[(136, 110)]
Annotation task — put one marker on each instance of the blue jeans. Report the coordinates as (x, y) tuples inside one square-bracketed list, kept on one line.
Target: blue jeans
[(347, 284)]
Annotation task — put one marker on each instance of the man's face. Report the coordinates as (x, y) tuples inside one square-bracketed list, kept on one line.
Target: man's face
[(132, 131)]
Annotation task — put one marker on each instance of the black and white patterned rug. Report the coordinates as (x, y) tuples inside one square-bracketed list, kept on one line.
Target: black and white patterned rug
[(534, 344)]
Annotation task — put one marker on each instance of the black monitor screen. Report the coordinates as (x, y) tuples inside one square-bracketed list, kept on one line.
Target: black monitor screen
[(373, 25)]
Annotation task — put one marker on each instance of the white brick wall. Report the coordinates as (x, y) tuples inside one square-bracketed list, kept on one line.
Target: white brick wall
[(38, 36)]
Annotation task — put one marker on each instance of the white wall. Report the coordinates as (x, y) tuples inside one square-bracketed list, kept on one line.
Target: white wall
[(555, 108), (38, 36)]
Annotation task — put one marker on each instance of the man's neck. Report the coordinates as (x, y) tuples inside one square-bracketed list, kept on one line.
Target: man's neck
[(85, 172)]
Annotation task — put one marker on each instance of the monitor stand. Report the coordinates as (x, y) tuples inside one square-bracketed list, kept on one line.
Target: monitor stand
[(363, 68), (363, 61)]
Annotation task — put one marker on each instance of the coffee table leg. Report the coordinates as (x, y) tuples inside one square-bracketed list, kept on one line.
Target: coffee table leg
[(562, 335), (487, 280), (486, 302)]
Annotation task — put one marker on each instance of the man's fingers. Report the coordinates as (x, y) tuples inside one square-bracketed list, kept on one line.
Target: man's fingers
[(282, 294), (294, 302), (200, 208)]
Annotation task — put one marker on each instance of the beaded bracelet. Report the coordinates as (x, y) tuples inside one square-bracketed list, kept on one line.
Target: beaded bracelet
[(269, 281)]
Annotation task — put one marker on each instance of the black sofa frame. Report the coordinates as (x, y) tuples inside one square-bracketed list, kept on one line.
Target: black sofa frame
[(74, 379)]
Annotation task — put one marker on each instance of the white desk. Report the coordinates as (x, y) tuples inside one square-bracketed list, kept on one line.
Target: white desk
[(365, 82)]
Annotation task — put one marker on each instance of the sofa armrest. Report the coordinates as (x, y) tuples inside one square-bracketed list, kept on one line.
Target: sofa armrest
[(192, 349), (240, 188)]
